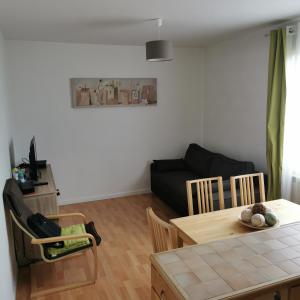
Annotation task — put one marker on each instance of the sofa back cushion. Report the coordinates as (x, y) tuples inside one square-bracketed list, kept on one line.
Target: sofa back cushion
[(226, 167), (198, 160)]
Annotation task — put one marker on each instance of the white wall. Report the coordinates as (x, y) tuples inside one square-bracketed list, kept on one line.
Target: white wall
[(7, 269), (103, 152), (236, 74)]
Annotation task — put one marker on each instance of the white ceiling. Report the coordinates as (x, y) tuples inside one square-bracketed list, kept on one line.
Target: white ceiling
[(187, 23)]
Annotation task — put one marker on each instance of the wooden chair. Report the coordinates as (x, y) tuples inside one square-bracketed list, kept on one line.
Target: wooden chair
[(19, 213), (164, 235), (204, 190), (247, 188)]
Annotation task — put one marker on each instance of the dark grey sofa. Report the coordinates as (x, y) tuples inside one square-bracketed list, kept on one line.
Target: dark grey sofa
[(168, 177)]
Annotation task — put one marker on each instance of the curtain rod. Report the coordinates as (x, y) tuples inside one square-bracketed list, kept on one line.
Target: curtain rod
[(285, 23), (289, 22)]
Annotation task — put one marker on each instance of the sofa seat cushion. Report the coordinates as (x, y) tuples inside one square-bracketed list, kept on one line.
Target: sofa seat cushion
[(174, 182)]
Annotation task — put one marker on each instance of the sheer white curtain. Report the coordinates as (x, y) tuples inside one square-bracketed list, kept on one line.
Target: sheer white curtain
[(291, 146)]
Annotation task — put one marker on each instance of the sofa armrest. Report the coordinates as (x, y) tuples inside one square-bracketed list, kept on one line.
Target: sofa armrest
[(166, 165)]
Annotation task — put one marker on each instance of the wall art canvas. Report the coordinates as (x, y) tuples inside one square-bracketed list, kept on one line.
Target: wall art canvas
[(97, 92)]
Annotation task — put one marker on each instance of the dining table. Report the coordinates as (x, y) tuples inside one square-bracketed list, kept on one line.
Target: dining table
[(228, 260), (220, 224)]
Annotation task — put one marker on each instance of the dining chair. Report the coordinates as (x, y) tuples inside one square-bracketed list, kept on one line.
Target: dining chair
[(205, 188), (247, 188), (164, 235)]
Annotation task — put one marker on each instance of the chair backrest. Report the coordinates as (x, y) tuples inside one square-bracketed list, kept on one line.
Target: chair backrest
[(20, 212), (164, 235), (247, 188), (204, 194)]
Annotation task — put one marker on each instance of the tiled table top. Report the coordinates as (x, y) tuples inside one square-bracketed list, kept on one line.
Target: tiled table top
[(231, 266)]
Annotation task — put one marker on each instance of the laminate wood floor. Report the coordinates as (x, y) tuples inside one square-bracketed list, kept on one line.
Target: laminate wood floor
[(124, 267)]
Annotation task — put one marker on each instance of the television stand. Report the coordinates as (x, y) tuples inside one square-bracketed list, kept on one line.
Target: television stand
[(38, 183), (44, 198)]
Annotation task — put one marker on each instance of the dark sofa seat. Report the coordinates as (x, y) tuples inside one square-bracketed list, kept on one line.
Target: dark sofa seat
[(168, 177), (170, 187)]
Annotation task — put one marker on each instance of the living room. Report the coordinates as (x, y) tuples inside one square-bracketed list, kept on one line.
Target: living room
[(214, 91)]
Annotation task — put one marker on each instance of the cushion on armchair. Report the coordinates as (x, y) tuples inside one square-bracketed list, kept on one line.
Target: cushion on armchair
[(70, 245), (76, 244), (45, 228)]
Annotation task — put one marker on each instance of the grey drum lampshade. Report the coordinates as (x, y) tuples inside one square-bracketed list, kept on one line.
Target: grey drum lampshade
[(159, 50)]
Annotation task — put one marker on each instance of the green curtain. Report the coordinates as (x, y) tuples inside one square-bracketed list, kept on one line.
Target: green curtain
[(276, 111)]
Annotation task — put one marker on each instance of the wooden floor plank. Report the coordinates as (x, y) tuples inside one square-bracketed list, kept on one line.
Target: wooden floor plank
[(124, 267)]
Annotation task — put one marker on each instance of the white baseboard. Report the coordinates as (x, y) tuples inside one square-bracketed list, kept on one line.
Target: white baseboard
[(102, 197)]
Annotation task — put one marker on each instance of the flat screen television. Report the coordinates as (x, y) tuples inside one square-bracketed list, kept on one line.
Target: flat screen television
[(33, 166)]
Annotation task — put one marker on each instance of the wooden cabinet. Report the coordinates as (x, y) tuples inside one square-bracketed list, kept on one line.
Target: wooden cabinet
[(163, 289), (154, 295), (160, 289), (44, 201), (294, 293)]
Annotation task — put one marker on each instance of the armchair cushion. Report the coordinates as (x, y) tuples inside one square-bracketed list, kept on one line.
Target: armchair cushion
[(45, 228), (70, 245)]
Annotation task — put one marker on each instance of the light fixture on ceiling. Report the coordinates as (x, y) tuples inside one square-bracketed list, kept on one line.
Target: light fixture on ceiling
[(159, 50)]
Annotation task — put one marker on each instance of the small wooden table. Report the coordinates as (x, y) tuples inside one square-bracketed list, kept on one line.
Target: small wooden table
[(208, 227)]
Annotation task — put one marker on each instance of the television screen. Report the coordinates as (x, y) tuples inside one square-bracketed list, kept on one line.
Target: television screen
[(32, 160)]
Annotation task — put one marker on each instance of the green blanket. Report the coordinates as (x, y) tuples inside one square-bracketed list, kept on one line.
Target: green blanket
[(70, 245)]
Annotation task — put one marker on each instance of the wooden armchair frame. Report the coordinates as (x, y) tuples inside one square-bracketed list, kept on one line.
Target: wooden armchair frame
[(41, 241)]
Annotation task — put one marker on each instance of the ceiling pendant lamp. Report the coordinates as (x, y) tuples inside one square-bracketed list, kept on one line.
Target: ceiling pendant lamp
[(159, 50)]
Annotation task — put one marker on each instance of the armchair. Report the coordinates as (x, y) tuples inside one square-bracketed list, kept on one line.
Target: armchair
[(19, 213)]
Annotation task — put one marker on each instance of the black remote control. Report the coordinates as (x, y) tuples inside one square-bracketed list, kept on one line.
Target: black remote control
[(37, 183)]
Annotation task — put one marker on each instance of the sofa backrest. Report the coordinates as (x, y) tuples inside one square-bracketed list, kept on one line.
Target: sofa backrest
[(226, 167), (209, 164), (198, 160)]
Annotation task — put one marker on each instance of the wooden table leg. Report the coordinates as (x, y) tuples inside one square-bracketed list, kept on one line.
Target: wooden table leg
[(180, 242)]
